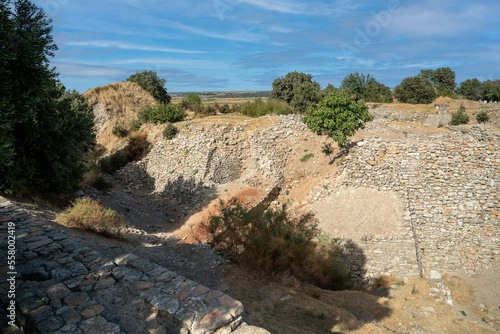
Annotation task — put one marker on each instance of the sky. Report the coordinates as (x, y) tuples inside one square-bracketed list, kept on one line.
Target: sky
[(243, 45)]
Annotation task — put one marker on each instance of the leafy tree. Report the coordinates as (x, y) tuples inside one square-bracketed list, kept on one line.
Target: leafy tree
[(44, 129), (366, 88), (338, 115), (191, 101), (470, 89), (151, 83), (491, 90), (415, 90), (443, 78), (298, 90)]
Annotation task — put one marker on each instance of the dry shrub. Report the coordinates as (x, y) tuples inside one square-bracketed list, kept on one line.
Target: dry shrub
[(136, 146), (272, 242), (88, 214)]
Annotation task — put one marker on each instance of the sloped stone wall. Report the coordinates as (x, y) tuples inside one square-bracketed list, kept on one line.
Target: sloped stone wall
[(450, 185)]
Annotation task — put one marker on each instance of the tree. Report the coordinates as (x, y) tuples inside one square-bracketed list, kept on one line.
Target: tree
[(443, 78), (151, 83), (191, 101), (338, 115), (44, 129), (415, 90), (470, 89), (366, 88), (491, 90), (298, 90)]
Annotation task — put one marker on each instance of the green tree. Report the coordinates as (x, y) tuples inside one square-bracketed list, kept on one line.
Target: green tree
[(298, 90), (191, 101), (338, 115), (415, 90), (44, 129), (491, 90), (151, 83), (470, 89), (443, 78), (366, 88)]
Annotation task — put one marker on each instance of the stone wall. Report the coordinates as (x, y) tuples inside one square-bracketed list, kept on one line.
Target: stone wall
[(62, 287), (450, 186)]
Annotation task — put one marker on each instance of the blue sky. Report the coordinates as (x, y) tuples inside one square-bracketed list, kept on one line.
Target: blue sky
[(222, 45)]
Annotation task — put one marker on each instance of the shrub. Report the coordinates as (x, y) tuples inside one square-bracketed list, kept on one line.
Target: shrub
[(135, 124), (482, 117), (88, 214), (191, 101), (415, 90), (170, 131), (163, 113), (120, 131), (298, 90), (307, 157), (327, 149), (151, 83), (273, 242), (112, 163), (236, 108), (261, 108), (136, 146), (224, 108), (210, 110), (101, 184), (460, 117)]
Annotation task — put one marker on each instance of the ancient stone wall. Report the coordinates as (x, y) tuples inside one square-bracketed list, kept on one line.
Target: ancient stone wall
[(62, 287), (450, 185)]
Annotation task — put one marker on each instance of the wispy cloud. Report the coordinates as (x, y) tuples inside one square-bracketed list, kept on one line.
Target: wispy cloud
[(88, 70), (129, 46), (194, 63)]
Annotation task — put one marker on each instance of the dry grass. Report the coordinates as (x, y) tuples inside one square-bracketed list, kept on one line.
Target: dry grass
[(88, 214), (117, 103)]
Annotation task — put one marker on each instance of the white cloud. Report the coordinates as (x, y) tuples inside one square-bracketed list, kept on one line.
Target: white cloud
[(128, 46)]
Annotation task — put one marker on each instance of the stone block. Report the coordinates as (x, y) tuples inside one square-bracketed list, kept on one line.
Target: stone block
[(98, 325)]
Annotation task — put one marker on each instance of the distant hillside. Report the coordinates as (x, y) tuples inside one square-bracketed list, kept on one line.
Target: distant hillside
[(117, 103)]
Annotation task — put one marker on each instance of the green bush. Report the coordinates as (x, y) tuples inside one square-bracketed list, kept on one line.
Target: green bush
[(298, 90), (415, 90), (191, 101), (88, 214), (135, 124), (151, 83), (112, 163), (120, 131), (170, 131), (338, 115), (460, 117), (366, 88), (224, 108), (482, 117), (273, 242), (260, 108), (307, 157), (163, 113), (101, 184), (210, 110)]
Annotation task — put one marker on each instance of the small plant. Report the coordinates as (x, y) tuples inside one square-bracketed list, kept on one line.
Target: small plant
[(327, 149), (463, 313), (136, 146), (399, 283), (195, 172), (325, 187), (186, 151), (135, 124), (307, 157), (170, 131), (101, 184), (120, 131), (413, 289), (88, 214), (287, 192), (460, 117), (172, 171), (306, 151), (482, 117)]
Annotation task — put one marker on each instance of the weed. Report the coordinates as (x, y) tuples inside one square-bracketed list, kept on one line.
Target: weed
[(101, 184), (136, 146), (305, 139), (325, 187), (463, 313), (413, 289), (186, 151), (399, 283), (172, 171), (327, 149), (163, 113), (88, 214), (306, 151), (287, 192), (120, 131), (482, 117), (195, 172), (307, 157), (170, 131), (440, 125), (135, 124)]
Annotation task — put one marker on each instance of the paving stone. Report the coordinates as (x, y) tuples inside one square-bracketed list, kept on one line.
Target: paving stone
[(58, 291), (98, 325), (76, 298)]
